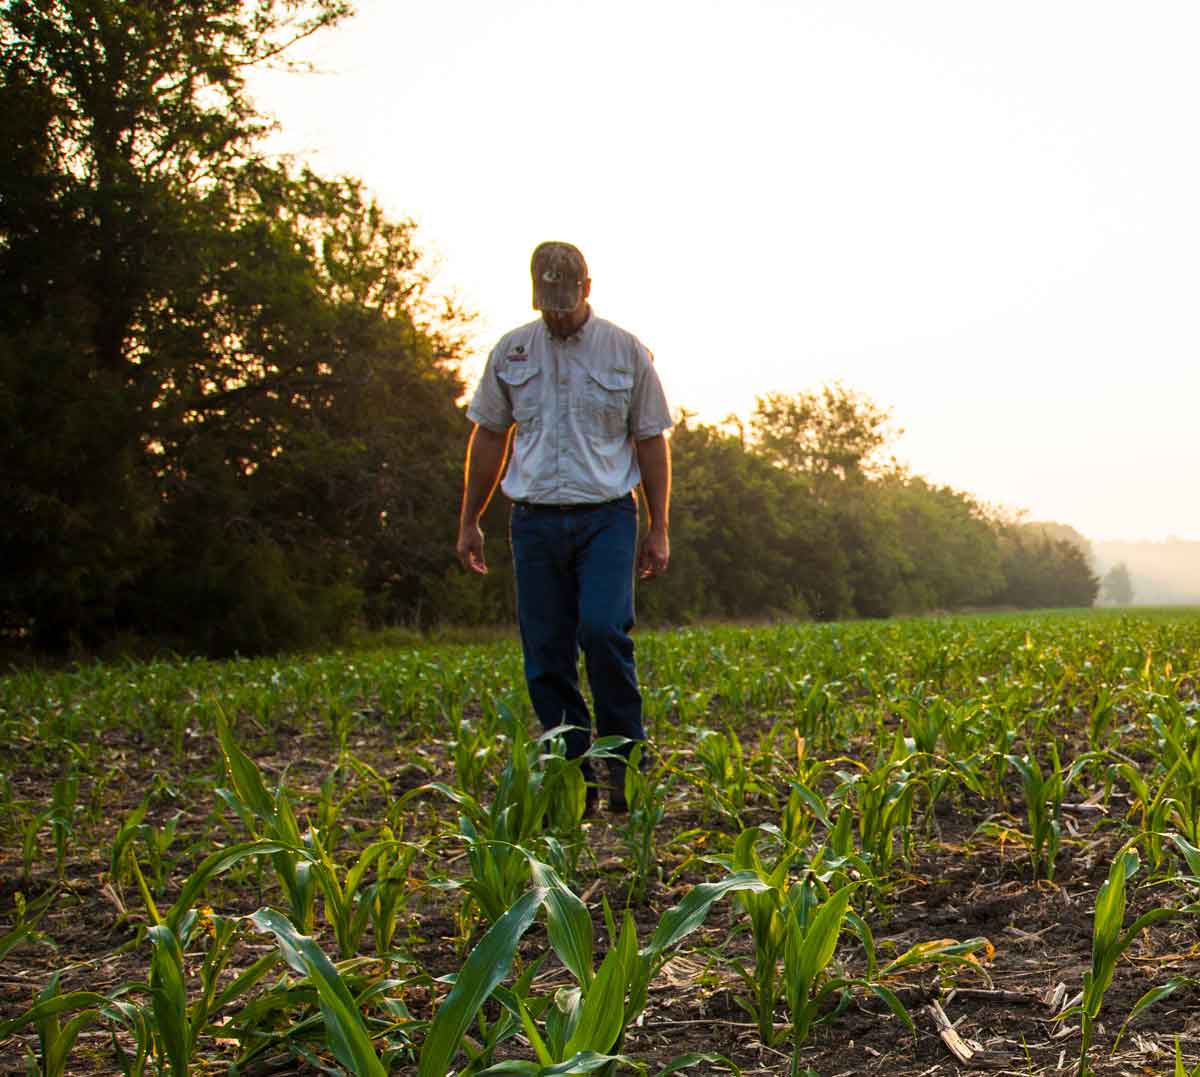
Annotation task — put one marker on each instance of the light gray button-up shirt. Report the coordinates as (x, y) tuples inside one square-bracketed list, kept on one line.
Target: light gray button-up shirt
[(580, 406)]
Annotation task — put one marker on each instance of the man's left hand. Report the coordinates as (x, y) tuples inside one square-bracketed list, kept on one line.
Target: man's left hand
[(654, 555)]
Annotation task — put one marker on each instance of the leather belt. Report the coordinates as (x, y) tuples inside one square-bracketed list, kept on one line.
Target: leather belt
[(535, 506)]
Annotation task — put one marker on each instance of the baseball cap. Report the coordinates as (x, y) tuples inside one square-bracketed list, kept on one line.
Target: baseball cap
[(558, 271)]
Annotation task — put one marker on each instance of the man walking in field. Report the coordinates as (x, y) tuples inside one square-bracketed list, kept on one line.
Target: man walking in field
[(590, 417)]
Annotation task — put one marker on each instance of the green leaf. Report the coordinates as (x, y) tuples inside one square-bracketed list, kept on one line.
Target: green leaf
[(893, 1003), (584, 1062), (485, 967), (169, 995), (1190, 853), (681, 920), (820, 940), (1152, 996), (567, 923), (215, 864), (51, 1007), (348, 1035), (603, 1014), (681, 1062)]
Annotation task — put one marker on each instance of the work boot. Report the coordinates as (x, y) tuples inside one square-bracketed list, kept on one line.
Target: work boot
[(617, 804)]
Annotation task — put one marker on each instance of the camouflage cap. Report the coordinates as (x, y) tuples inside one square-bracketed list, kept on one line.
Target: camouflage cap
[(559, 272)]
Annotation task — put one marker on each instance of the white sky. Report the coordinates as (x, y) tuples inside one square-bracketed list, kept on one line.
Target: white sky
[(985, 216)]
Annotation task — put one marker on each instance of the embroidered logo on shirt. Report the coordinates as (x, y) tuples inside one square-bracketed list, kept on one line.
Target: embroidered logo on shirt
[(517, 355)]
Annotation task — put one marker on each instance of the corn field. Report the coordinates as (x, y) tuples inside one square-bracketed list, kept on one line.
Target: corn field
[(926, 847)]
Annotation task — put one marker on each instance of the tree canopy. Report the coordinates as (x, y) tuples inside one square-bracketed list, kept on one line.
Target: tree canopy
[(223, 394), (230, 413)]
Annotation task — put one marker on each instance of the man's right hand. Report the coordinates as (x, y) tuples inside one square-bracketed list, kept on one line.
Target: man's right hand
[(470, 549)]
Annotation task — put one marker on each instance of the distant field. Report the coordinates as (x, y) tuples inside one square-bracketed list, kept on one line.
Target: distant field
[(844, 835)]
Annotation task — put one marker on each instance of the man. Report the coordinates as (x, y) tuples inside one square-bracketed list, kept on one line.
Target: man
[(590, 418)]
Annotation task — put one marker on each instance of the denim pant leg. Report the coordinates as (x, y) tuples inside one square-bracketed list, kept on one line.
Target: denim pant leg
[(606, 614), (548, 615)]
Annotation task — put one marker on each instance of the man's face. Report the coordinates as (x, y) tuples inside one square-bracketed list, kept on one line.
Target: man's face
[(563, 323)]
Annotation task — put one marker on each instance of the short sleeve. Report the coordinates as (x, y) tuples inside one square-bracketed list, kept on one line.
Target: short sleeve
[(490, 406), (649, 412)]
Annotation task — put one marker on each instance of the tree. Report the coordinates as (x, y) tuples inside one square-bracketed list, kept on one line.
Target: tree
[(222, 392), (832, 433), (1117, 587)]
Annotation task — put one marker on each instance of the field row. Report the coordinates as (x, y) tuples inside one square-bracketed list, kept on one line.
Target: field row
[(368, 862)]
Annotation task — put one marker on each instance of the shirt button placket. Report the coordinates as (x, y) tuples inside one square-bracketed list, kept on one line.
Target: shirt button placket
[(560, 365)]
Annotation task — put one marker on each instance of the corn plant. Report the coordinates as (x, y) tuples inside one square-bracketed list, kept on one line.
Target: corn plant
[(729, 781), (1149, 807), (1109, 942), (270, 818), (387, 897), (810, 938), (1043, 808), (485, 967), (62, 819), (645, 794), (883, 795), (348, 905), (585, 1025), (26, 916), (346, 1031), (768, 915), (473, 749), (1179, 743)]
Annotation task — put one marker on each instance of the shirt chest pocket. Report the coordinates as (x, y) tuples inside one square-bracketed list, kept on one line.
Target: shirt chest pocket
[(524, 384), (607, 395)]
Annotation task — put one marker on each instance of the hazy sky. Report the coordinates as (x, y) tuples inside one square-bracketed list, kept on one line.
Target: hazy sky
[(985, 216)]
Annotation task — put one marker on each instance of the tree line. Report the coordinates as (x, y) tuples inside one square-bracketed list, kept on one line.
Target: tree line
[(230, 412)]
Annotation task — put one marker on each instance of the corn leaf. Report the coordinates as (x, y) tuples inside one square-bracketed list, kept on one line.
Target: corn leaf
[(567, 923), (603, 1014), (169, 995), (820, 940), (348, 1035), (487, 964), (214, 864), (681, 920), (1152, 996)]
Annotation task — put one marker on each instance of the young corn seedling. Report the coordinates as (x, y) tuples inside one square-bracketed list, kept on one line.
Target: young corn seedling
[(645, 795), (348, 906), (272, 819), (62, 819), (1109, 942), (810, 940), (346, 1032), (883, 796), (584, 1026), (767, 911), (55, 1040), (387, 897), (473, 750), (26, 917), (1043, 807), (1151, 807), (1179, 743), (729, 782)]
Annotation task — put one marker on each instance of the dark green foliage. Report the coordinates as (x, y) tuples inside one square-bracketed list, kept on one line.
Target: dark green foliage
[(823, 529), (227, 408), (1044, 572), (229, 415)]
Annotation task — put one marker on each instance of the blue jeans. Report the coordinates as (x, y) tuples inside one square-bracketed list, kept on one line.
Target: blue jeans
[(574, 570)]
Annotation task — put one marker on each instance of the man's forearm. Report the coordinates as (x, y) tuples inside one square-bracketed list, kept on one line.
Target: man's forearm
[(654, 462), (485, 461)]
